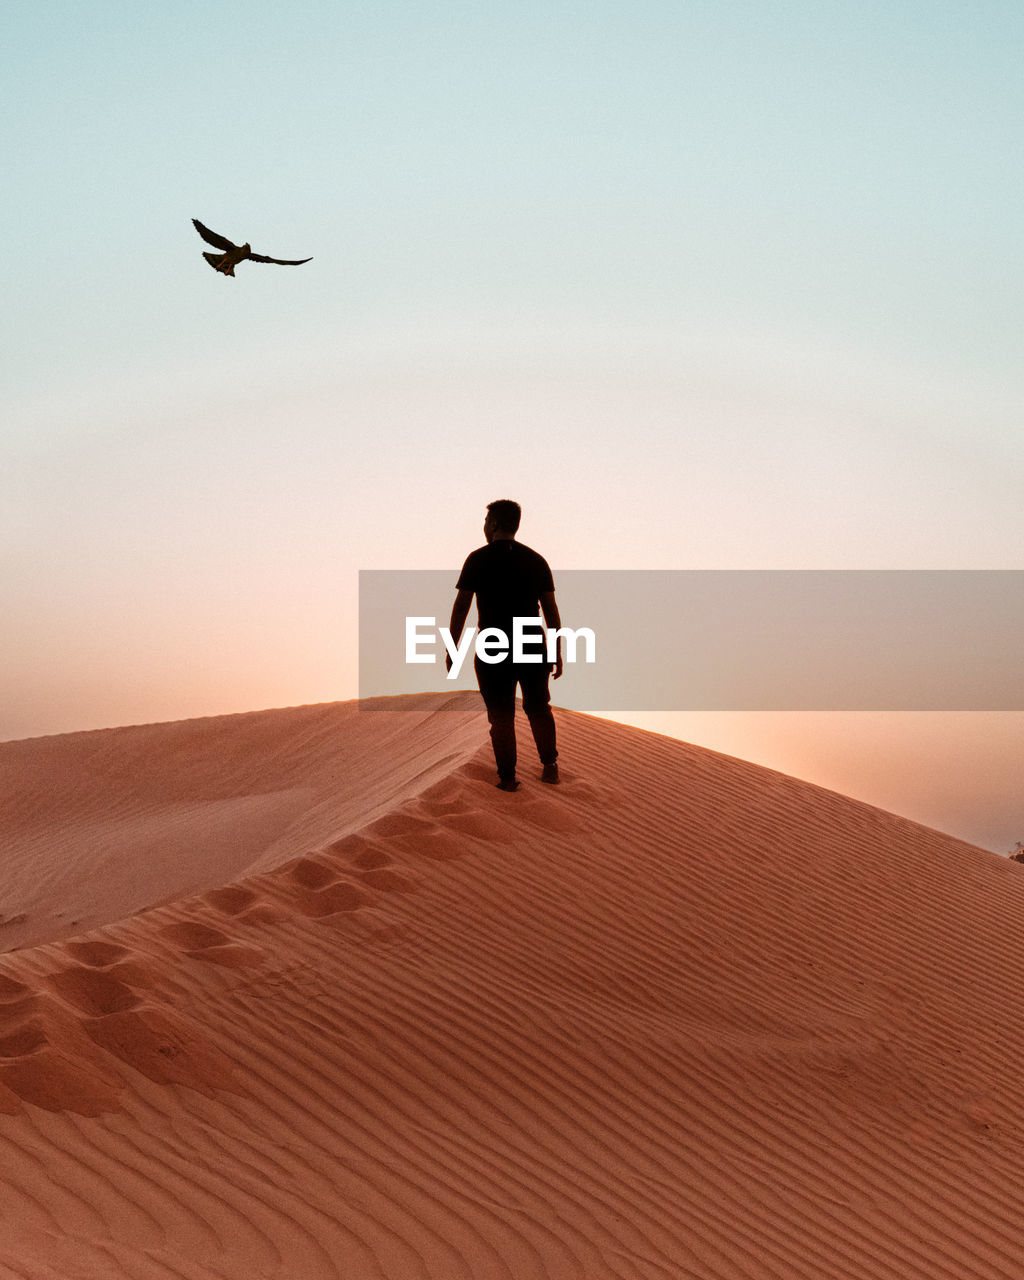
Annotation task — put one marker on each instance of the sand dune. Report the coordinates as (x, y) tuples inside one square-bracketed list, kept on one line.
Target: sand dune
[(300, 994), (100, 825)]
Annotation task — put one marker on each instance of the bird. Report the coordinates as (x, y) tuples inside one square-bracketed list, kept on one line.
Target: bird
[(232, 254)]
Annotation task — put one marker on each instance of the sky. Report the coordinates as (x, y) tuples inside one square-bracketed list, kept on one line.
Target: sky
[(702, 285)]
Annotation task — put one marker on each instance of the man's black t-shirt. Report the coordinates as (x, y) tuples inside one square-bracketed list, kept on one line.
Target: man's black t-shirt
[(508, 579)]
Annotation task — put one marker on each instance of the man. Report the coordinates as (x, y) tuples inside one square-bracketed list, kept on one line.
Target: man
[(509, 581)]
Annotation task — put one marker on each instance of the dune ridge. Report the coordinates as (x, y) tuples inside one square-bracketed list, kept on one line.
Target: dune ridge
[(102, 824), (679, 1017)]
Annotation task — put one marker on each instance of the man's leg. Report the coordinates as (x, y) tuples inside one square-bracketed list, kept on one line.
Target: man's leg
[(497, 683), (537, 705)]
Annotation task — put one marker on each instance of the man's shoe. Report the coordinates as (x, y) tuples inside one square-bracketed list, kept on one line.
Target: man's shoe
[(508, 784), (550, 773)]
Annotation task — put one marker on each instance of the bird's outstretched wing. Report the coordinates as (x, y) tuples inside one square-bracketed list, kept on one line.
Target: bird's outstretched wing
[(281, 262), (211, 237)]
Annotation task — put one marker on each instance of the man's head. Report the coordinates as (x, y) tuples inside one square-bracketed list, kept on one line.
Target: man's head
[(502, 519)]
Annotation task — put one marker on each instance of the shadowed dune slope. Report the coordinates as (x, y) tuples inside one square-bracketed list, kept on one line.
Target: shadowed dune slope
[(680, 1016), (98, 826)]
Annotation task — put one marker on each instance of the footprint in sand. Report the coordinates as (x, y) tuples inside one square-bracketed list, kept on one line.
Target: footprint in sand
[(370, 858), (46, 1060), (333, 881), (334, 899), (440, 816), (56, 1042), (232, 900), (99, 955), (244, 906), (418, 836), (201, 942), (12, 992), (373, 866), (92, 991), (115, 960), (400, 826), (348, 848), (313, 886), (157, 1043), (444, 797), (311, 873), (478, 771)]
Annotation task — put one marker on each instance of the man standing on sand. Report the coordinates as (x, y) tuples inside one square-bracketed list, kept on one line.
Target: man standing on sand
[(510, 581)]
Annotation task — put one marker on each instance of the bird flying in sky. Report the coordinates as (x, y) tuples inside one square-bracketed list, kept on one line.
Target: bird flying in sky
[(232, 254)]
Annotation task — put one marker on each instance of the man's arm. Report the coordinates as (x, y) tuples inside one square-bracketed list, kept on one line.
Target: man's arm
[(552, 620), (460, 611)]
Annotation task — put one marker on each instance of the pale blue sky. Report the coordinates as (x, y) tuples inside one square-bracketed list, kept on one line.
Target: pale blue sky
[(702, 284), (845, 172)]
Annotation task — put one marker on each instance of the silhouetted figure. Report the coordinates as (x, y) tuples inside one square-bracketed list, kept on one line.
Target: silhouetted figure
[(509, 581), (233, 254)]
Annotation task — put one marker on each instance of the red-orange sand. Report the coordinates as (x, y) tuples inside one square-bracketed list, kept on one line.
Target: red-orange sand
[(300, 994)]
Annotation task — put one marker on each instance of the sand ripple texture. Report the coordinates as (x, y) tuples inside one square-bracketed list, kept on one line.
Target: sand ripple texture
[(681, 1016)]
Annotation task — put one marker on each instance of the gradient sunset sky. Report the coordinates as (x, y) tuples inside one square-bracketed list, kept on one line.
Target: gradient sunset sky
[(702, 285)]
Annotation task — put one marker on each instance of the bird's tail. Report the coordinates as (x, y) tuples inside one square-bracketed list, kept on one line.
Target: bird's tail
[(216, 260)]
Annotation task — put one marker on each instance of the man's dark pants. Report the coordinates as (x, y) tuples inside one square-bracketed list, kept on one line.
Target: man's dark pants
[(498, 683)]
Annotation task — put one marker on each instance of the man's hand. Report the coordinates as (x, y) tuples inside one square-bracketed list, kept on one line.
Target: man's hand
[(551, 618), (460, 610)]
